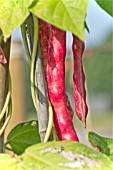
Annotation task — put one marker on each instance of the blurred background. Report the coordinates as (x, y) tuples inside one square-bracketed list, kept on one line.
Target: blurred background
[(97, 61)]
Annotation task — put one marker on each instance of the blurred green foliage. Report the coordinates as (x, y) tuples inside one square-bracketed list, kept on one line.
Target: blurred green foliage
[(98, 69)]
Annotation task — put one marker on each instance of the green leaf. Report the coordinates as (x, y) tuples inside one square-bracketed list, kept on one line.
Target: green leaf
[(22, 136), (106, 5), (12, 14), (66, 155), (87, 28), (65, 14), (7, 162), (63, 155), (104, 145)]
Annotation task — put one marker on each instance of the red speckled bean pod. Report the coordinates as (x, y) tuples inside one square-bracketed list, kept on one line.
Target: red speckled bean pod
[(69, 107), (56, 84), (44, 32), (79, 80), (2, 57)]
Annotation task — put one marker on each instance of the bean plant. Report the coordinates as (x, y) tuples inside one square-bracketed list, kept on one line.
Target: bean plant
[(51, 141)]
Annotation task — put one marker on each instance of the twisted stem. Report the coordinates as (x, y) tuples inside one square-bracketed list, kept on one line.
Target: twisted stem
[(50, 124), (23, 31), (33, 57), (7, 108), (32, 63)]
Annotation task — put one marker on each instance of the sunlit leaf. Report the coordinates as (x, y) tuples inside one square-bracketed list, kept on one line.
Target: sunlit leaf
[(65, 14), (12, 14), (62, 155)]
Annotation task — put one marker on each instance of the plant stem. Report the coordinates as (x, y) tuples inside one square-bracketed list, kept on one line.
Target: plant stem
[(41, 98), (30, 30), (23, 31), (4, 69), (33, 58), (1, 38), (7, 119), (7, 101), (50, 124)]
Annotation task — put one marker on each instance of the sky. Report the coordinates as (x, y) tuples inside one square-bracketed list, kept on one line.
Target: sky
[(99, 23)]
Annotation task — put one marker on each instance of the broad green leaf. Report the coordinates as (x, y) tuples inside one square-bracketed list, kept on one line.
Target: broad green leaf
[(65, 14), (66, 155), (106, 5), (104, 145), (22, 136), (12, 14), (7, 162), (63, 155)]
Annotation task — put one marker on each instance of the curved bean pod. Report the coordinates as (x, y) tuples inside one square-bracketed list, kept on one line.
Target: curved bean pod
[(56, 84), (79, 80)]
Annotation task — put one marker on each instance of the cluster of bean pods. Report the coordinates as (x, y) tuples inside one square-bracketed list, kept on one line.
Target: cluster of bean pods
[(53, 51)]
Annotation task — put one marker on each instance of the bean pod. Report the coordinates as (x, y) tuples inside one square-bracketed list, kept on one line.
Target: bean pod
[(2, 57), (44, 32), (79, 80), (56, 84)]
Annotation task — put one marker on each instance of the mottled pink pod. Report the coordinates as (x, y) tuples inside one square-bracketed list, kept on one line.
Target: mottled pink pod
[(2, 57), (79, 80), (68, 104), (56, 84), (44, 33)]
